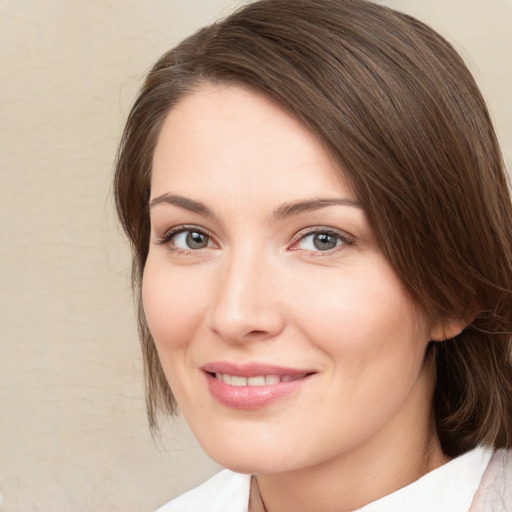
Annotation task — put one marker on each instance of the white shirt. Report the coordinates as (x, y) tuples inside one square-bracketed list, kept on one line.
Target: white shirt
[(449, 487), (224, 492)]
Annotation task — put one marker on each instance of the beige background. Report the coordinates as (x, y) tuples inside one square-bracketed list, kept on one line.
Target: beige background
[(73, 433)]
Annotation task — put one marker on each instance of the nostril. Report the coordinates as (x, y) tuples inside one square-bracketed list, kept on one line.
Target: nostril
[(237, 319)]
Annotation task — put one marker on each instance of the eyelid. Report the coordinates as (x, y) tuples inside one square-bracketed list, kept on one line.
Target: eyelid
[(304, 233), (168, 235)]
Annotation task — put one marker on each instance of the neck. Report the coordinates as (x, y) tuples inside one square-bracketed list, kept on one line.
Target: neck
[(400, 453)]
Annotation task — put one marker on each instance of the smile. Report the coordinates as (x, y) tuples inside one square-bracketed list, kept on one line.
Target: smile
[(252, 386), (258, 380)]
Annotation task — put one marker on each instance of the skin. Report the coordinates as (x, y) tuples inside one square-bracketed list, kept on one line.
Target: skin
[(261, 291)]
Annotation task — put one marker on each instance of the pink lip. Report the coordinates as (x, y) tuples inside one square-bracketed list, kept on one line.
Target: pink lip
[(252, 369), (252, 397)]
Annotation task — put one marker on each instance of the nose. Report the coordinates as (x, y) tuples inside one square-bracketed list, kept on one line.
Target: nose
[(246, 305)]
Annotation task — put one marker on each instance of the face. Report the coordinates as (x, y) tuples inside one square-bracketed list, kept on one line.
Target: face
[(278, 322)]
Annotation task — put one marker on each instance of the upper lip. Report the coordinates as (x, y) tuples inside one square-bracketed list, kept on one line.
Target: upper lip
[(252, 369)]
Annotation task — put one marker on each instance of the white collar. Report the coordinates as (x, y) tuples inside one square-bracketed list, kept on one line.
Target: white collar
[(449, 487)]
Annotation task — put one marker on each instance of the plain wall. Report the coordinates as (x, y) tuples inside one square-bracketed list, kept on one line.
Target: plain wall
[(73, 431)]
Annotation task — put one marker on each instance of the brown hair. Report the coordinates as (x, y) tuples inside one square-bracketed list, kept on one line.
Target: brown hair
[(396, 107)]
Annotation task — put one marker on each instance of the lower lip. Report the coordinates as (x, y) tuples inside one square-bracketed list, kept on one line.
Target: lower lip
[(251, 397)]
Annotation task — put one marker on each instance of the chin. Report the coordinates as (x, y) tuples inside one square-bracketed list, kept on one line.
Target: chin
[(249, 466), (259, 459)]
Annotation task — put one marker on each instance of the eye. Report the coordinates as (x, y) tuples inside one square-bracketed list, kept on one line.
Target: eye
[(321, 241), (191, 240), (186, 239)]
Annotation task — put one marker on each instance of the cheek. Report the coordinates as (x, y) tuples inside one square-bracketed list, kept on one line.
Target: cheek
[(172, 305), (365, 317)]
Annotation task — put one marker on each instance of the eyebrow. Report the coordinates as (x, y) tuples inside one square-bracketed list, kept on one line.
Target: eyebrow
[(182, 202), (282, 212), (298, 207)]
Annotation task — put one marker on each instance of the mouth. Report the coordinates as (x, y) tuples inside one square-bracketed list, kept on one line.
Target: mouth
[(257, 380), (252, 386)]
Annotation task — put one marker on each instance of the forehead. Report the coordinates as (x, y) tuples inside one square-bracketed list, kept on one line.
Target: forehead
[(228, 137)]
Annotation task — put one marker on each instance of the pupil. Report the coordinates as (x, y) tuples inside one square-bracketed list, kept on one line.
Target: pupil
[(324, 241), (196, 240)]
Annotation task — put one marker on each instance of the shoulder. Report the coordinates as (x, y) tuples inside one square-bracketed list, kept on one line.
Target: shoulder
[(495, 491), (224, 492)]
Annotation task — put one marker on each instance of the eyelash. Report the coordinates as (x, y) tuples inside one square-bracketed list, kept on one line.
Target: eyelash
[(167, 237), (345, 240)]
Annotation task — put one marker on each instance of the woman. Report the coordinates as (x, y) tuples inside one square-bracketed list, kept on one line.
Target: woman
[(321, 230)]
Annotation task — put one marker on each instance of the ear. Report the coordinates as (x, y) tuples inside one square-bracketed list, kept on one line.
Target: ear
[(447, 329)]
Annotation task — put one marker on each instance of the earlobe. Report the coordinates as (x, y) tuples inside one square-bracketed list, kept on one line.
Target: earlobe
[(448, 329)]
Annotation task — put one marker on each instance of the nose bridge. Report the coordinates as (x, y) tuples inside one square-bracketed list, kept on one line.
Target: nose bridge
[(246, 305)]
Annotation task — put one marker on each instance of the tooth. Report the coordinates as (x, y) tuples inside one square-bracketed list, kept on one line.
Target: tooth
[(272, 379), (256, 381), (226, 378), (289, 378), (238, 381)]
